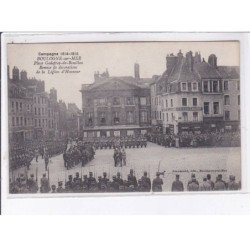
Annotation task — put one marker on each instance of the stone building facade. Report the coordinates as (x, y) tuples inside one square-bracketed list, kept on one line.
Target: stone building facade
[(195, 95), (116, 106)]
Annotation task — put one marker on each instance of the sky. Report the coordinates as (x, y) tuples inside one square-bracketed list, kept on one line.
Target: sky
[(118, 58)]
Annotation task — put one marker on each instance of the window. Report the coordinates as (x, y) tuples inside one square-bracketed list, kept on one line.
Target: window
[(225, 85), (144, 116), (143, 100), (21, 121), (185, 116), (35, 123), (238, 99), (226, 100), (184, 102), (130, 101), (12, 106), (130, 117), (216, 108), (25, 122), (172, 116), (167, 116), (215, 86), (206, 108), (163, 116), (17, 121), (21, 106), (38, 100), (13, 121), (172, 103), (17, 107), (194, 102), (39, 122), (194, 86), (238, 114), (183, 86), (101, 101), (160, 115), (227, 115), (116, 101), (116, 118), (195, 116), (166, 103), (238, 85), (205, 86)]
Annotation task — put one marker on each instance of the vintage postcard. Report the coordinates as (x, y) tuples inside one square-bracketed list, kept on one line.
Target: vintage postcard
[(123, 117)]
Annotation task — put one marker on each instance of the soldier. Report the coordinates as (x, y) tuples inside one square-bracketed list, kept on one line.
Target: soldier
[(132, 179), (193, 184), (92, 184), (205, 186), (210, 181), (46, 160), (123, 153), (114, 186), (177, 185), (45, 186), (145, 183), (219, 185), (36, 154), (69, 184), (119, 179), (32, 184), (104, 181), (53, 189), (232, 185), (157, 183), (65, 159), (60, 187), (85, 185), (77, 183)]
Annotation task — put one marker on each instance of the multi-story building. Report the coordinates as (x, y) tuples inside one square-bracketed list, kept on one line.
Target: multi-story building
[(20, 110), (116, 106), (195, 95), (33, 113)]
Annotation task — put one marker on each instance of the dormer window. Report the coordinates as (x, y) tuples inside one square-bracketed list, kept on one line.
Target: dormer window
[(215, 86), (184, 86)]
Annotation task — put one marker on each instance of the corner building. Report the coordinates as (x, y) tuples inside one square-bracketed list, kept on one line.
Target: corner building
[(195, 95)]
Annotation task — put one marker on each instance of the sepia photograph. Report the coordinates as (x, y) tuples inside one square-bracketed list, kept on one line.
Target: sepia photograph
[(124, 117)]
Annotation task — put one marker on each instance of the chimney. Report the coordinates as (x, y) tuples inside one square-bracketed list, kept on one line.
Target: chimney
[(137, 71), (190, 60), (171, 60), (212, 60), (15, 74), (23, 76), (197, 57)]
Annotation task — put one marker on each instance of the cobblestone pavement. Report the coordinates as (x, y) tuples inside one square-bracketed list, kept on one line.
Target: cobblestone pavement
[(225, 161)]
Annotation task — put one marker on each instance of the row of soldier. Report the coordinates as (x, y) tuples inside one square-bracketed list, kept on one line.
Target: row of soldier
[(21, 155), (89, 184), (79, 153), (114, 142)]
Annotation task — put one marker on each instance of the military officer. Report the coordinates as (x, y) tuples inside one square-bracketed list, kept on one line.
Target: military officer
[(132, 179)]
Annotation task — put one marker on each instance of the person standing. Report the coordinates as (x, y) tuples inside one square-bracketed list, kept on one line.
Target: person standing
[(193, 184), (205, 186), (219, 185), (157, 183), (232, 185), (177, 185), (145, 183), (36, 154), (46, 160), (45, 186), (124, 157)]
